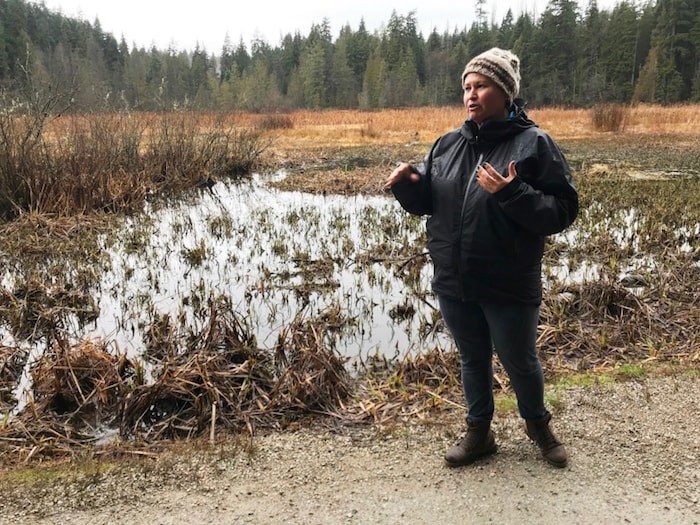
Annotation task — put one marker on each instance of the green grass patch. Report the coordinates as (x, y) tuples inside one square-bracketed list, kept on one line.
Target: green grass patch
[(506, 403), (39, 476), (630, 371)]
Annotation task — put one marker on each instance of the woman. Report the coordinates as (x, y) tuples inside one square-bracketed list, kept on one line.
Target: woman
[(494, 189)]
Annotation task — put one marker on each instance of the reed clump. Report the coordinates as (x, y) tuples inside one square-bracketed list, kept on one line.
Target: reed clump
[(12, 362), (272, 121), (35, 309), (610, 117), (409, 387), (83, 384), (74, 164), (597, 325), (78, 391), (313, 378), (196, 370)]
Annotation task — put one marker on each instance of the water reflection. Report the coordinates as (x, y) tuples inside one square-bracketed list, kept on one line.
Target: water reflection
[(276, 255)]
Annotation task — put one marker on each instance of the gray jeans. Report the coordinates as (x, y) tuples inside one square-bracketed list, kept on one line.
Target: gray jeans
[(510, 329)]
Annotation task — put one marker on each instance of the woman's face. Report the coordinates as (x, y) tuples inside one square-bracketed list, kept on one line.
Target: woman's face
[(483, 99)]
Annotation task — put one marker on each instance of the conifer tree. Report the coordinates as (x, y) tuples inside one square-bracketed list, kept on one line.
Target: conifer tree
[(618, 53)]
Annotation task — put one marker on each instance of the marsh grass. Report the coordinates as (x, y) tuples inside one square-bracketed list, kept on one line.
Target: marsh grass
[(205, 381), (348, 128), (207, 375), (274, 121), (37, 310), (610, 117), (12, 362), (73, 164)]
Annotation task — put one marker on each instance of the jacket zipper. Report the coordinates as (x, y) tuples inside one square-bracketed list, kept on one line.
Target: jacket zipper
[(461, 224)]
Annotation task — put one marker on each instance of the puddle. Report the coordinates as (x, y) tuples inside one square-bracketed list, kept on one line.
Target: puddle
[(278, 255)]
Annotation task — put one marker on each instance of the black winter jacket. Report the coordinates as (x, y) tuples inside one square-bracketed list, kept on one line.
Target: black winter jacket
[(488, 247)]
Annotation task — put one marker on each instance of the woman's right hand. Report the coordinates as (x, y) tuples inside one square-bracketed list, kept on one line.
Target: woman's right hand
[(403, 171)]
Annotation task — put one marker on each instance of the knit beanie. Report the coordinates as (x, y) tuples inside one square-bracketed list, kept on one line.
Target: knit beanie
[(501, 66)]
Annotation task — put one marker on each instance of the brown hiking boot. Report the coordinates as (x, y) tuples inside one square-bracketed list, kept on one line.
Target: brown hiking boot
[(552, 449), (478, 441)]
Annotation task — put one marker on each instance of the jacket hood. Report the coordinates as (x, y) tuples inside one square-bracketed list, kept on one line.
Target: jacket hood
[(497, 130)]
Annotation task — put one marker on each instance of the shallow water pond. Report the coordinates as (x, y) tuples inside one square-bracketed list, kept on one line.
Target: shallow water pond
[(354, 263), (276, 256)]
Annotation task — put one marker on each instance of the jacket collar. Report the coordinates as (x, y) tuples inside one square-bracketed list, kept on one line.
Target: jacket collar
[(493, 131)]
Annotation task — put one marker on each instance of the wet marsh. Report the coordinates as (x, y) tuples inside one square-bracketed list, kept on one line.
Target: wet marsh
[(302, 289)]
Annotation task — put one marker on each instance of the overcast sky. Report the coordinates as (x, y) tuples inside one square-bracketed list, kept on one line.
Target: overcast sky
[(166, 23)]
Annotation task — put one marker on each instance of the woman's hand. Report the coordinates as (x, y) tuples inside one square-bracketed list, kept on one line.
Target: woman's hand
[(492, 181), (402, 171)]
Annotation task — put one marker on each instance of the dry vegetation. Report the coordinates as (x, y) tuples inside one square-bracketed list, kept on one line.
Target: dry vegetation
[(74, 164), (399, 126), (214, 379), (353, 151)]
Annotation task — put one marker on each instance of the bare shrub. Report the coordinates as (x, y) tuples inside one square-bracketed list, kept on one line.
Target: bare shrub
[(111, 162), (272, 121), (179, 153), (610, 117), (23, 156)]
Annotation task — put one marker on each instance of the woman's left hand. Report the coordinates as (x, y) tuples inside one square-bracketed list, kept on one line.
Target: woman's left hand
[(492, 181)]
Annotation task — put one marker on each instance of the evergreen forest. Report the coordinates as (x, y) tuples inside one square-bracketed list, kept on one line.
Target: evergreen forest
[(570, 57)]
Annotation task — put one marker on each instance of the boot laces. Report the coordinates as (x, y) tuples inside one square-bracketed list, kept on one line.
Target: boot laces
[(546, 438), (472, 438)]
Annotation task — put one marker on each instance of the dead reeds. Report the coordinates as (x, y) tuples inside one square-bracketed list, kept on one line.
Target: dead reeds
[(203, 374), (610, 117), (313, 378), (77, 391), (411, 387), (598, 325), (12, 362), (83, 385), (204, 379), (35, 309), (73, 164)]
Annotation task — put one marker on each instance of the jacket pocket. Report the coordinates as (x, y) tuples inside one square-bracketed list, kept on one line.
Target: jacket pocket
[(441, 249)]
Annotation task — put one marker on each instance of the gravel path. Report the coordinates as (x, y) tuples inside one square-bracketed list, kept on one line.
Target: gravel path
[(635, 458)]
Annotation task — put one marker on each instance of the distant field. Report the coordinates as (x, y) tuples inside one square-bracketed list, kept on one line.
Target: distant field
[(350, 127), (309, 128)]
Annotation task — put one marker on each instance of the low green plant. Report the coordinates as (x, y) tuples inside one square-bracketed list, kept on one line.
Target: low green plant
[(506, 403), (630, 371)]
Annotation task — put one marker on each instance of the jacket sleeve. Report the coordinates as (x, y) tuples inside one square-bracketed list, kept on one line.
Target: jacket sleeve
[(416, 197), (544, 200)]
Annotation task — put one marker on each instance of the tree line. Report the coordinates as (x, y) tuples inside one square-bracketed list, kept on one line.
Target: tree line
[(569, 56)]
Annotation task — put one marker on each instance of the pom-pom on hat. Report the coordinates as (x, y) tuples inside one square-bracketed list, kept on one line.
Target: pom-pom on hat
[(501, 66)]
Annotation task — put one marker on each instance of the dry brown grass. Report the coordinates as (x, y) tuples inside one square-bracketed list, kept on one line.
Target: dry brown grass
[(309, 133), (69, 165), (424, 124), (402, 126)]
